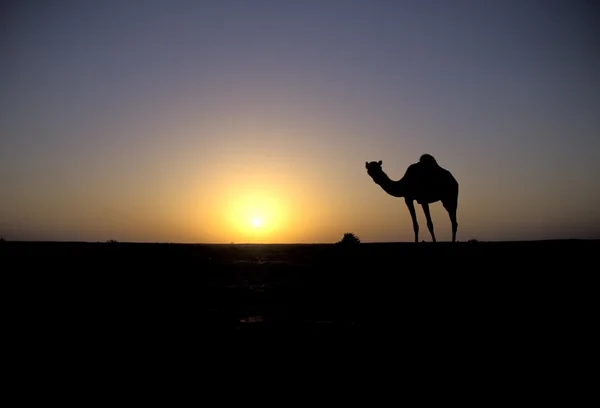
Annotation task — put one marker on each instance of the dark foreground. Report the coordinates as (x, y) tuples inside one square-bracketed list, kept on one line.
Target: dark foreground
[(468, 292)]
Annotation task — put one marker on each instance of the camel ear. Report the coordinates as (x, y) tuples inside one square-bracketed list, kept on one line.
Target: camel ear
[(379, 162)]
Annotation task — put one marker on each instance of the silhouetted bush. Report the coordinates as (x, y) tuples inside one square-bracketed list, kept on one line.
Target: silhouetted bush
[(472, 241), (111, 241), (349, 238)]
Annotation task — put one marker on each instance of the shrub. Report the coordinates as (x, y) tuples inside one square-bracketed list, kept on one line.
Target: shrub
[(349, 238)]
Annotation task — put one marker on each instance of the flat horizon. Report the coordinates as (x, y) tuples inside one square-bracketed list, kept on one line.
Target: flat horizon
[(306, 243)]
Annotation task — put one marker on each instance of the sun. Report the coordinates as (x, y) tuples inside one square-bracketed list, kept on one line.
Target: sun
[(255, 216)]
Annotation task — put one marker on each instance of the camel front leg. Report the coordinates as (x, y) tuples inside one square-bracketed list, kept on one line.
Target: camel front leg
[(429, 222), (451, 208), (413, 215)]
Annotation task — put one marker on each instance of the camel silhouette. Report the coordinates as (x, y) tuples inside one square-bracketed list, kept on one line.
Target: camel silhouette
[(426, 182)]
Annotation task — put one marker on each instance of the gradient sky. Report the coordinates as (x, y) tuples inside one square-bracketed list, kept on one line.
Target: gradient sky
[(182, 121)]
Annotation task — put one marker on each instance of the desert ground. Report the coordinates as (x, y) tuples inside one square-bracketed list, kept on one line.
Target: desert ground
[(194, 291)]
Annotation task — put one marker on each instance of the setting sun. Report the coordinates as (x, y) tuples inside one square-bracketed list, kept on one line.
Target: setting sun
[(256, 216)]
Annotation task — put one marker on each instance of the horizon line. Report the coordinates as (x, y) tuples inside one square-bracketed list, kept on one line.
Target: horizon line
[(290, 243)]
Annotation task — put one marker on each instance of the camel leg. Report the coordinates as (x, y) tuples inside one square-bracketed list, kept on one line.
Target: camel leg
[(429, 222), (452, 213), (413, 215)]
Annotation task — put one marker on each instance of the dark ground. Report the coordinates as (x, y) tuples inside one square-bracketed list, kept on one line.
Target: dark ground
[(463, 292)]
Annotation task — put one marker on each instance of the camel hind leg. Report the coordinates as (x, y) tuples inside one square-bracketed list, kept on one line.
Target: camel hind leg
[(451, 208)]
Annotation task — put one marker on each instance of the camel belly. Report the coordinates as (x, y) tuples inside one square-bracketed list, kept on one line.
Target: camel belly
[(428, 199), (426, 195)]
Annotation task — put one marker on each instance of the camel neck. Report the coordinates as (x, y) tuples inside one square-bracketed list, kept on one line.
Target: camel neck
[(393, 188)]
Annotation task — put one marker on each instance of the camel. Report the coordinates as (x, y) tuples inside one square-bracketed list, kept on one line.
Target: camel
[(425, 182)]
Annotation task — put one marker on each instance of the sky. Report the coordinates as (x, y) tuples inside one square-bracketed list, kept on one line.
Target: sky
[(251, 121)]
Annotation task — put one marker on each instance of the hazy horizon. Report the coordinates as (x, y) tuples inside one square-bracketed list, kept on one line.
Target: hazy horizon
[(251, 121), (297, 243)]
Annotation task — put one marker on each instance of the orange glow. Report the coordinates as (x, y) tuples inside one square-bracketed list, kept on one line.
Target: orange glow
[(255, 216)]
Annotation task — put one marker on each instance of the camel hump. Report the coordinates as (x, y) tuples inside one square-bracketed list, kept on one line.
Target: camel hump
[(428, 160)]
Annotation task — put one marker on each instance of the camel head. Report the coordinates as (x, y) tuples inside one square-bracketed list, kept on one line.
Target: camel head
[(374, 169)]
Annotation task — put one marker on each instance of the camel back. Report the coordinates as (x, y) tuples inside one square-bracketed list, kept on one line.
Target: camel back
[(427, 182)]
